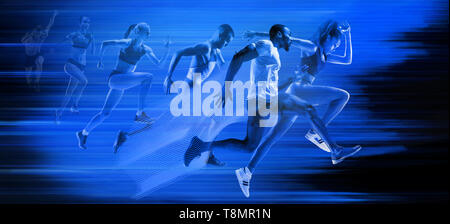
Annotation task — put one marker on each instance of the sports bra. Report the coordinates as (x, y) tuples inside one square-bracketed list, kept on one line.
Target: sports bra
[(82, 41), (130, 55), (313, 64)]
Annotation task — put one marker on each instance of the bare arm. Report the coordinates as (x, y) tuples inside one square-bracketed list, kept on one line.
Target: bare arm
[(110, 43), (69, 37), (151, 55), (306, 46), (219, 59), (189, 51), (246, 54), (249, 35), (198, 49), (345, 59), (52, 20), (26, 37), (92, 45)]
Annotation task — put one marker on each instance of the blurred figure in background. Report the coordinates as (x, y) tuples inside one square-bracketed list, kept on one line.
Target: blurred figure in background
[(75, 66), (33, 56)]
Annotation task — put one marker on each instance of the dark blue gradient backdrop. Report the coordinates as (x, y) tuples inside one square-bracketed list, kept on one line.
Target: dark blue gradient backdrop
[(398, 108)]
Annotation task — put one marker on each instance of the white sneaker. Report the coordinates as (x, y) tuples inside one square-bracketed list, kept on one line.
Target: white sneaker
[(244, 175), (317, 140), (343, 153)]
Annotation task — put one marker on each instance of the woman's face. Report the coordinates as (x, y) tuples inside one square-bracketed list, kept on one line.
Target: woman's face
[(142, 33), (84, 23), (331, 44)]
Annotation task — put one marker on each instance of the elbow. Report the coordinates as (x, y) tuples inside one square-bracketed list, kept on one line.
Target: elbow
[(350, 60)]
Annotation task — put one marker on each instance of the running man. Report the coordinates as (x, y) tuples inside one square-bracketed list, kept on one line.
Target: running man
[(33, 57), (124, 77), (301, 97), (265, 64), (75, 66)]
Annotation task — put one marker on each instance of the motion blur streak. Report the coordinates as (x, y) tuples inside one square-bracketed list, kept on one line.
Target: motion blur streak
[(398, 108)]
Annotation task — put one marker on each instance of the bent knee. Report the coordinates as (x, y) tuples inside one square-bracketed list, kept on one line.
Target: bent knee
[(84, 82), (39, 60), (105, 113), (343, 95)]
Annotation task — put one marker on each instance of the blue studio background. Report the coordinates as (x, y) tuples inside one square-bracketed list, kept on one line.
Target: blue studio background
[(398, 108)]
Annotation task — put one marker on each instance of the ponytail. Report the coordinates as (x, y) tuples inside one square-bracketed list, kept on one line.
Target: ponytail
[(127, 34)]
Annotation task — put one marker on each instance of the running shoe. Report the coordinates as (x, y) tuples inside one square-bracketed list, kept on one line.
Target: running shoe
[(212, 160), (317, 140), (121, 138), (243, 176), (81, 140), (57, 117), (74, 109), (193, 151), (343, 153), (143, 118)]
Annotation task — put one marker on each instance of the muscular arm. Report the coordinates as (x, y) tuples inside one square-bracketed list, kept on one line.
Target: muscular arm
[(92, 45), (151, 55), (189, 51), (26, 37), (249, 35), (246, 54), (111, 43), (306, 46), (345, 59), (50, 24)]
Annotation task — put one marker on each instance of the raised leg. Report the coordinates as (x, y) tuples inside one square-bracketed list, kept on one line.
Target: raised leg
[(249, 143), (270, 138), (112, 99), (130, 80), (77, 83), (38, 71)]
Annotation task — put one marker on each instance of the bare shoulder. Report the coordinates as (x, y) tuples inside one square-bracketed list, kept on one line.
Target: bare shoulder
[(264, 47), (203, 47)]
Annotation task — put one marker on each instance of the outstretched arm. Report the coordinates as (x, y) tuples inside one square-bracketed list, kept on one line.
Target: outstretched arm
[(246, 54), (92, 45), (110, 43), (151, 55), (189, 51), (305, 45), (345, 59), (52, 20), (26, 37), (249, 35)]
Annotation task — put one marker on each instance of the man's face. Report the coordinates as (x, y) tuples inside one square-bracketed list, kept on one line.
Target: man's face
[(285, 40), (224, 40), (85, 22)]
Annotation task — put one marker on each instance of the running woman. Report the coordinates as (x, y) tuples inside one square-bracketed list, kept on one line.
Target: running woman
[(33, 57), (124, 77), (75, 66), (205, 56), (301, 97)]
